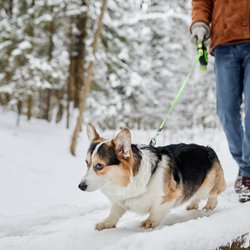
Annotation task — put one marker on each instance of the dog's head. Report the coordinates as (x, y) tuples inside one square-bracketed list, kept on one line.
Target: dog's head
[(109, 162)]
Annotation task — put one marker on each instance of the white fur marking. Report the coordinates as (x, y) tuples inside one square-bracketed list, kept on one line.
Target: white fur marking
[(97, 147)]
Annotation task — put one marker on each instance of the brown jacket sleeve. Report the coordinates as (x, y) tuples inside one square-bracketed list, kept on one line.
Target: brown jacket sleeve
[(202, 11)]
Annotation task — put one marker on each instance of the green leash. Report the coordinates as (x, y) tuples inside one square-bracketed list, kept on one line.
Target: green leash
[(201, 57)]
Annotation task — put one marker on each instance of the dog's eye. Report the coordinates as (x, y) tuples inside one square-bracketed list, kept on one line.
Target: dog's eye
[(99, 166), (87, 163)]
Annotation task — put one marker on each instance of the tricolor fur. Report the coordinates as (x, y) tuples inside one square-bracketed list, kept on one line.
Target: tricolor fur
[(150, 180)]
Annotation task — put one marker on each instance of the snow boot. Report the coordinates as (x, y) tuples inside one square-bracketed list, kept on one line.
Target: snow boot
[(245, 189)]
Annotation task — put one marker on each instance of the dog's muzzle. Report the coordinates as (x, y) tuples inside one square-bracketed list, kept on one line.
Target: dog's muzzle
[(83, 186)]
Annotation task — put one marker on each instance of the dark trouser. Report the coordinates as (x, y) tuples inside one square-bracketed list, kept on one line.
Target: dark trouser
[(232, 70)]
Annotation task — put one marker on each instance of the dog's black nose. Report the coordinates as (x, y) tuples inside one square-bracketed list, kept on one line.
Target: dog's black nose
[(83, 186)]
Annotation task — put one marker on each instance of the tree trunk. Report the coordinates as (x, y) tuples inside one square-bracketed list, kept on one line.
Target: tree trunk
[(9, 8), (4, 99), (79, 51), (51, 34), (87, 81), (19, 111), (47, 112), (70, 89), (77, 58), (29, 106), (59, 113)]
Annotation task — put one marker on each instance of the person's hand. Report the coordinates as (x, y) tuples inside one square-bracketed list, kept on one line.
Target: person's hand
[(199, 32)]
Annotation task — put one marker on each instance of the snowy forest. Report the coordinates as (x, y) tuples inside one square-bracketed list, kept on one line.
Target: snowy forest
[(141, 57), (115, 64)]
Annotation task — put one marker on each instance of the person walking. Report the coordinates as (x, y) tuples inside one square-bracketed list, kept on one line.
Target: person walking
[(227, 24)]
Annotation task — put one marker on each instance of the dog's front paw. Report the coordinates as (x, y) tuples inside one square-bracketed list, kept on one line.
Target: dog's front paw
[(148, 223), (211, 204), (192, 207), (208, 208), (104, 225)]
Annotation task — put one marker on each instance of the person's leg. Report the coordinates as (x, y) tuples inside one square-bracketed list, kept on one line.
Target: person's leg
[(229, 88), (245, 169)]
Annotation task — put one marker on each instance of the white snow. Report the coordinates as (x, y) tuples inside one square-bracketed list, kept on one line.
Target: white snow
[(25, 45), (22, 46), (158, 15), (75, 12), (42, 208)]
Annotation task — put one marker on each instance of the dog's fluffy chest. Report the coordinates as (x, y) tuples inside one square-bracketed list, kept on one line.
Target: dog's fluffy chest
[(140, 204), (144, 190), (152, 195)]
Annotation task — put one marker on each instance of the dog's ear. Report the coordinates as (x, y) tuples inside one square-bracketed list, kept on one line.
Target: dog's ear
[(91, 132), (122, 143)]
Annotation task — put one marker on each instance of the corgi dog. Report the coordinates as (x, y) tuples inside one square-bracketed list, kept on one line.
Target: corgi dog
[(150, 180)]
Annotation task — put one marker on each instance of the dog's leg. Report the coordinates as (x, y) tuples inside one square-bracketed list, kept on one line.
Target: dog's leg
[(194, 204), (111, 221), (211, 203), (212, 198), (218, 187), (157, 214)]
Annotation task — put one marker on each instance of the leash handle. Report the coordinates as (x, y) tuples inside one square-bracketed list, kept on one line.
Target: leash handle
[(203, 55)]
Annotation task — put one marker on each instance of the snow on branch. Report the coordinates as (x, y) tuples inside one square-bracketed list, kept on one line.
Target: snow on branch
[(151, 16)]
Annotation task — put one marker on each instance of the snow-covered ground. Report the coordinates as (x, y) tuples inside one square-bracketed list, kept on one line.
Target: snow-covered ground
[(41, 206)]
